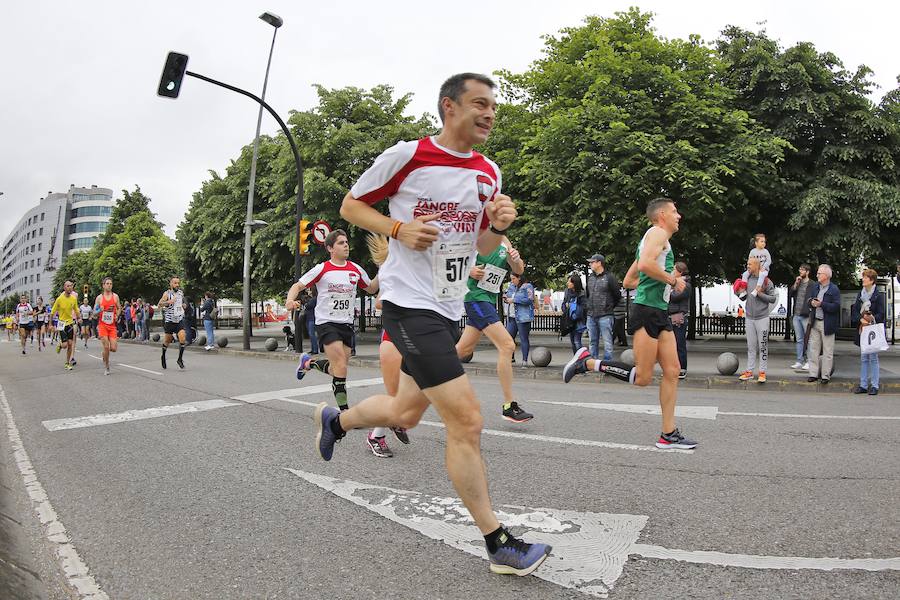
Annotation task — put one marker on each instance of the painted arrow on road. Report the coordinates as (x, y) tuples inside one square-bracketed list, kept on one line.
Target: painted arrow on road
[(589, 549)]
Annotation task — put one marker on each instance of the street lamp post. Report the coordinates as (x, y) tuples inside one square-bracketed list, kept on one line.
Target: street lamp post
[(276, 22)]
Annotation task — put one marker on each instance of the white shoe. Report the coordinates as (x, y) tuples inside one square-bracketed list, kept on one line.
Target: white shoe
[(805, 366), (797, 365)]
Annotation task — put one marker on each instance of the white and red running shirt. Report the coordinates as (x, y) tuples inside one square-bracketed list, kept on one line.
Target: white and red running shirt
[(422, 178), (24, 313), (336, 287)]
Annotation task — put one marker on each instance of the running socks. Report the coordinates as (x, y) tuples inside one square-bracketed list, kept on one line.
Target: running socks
[(320, 365), (336, 428), (493, 539), (339, 387), (180, 351), (619, 370)]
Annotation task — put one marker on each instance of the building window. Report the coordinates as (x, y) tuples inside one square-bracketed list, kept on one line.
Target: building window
[(39, 262), (32, 248), (38, 277), (39, 246), (90, 226), (41, 231), (91, 211), (42, 216), (82, 243)]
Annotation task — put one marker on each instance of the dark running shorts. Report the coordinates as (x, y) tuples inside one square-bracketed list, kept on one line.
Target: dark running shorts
[(481, 314), (173, 328), (334, 332), (27, 326), (67, 333), (426, 341), (652, 320)]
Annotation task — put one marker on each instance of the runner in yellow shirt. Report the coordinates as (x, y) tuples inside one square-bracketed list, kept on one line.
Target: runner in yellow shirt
[(66, 306)]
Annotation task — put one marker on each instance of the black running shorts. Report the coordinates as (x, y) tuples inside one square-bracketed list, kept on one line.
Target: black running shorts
[(651, 319), (67, 333), (173, 328), (328, 333), (426, 341)]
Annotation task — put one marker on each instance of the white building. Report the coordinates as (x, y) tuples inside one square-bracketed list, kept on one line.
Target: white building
[(60, 224)]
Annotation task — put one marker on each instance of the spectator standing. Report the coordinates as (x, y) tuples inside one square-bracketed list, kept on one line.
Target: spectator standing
[(620, 312), (145, 320), (129, 324), (523, 303), (825, 311), (574, 317), (799, 291), (759, 307), (309, 315), (868, 309), (208, 314), (138, 316), (679, 313), (602, 293), (190, 322)]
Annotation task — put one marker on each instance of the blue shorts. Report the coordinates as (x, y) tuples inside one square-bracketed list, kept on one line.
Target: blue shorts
[(481, 314)]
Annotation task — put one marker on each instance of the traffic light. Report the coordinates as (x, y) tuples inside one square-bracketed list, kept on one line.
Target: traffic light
[(304, 237), (173, 73)]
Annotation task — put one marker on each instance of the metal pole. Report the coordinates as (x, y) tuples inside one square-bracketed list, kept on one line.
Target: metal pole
[(248, 227), (298, 261)]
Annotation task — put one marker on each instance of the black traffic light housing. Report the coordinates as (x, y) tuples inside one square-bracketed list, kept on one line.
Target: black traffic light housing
[(173, 73)]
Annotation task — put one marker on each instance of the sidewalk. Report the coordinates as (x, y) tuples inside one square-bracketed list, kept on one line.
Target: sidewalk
[(702, 355)]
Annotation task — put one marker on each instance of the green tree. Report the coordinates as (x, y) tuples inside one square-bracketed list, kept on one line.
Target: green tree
[(838, 193), (77, 268), (338, 140), (140, 259), (613, 116)]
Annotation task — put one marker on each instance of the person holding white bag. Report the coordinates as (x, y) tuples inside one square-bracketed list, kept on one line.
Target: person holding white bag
[(868, 310)]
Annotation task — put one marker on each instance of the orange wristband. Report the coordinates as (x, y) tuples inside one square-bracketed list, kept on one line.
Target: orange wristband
[(396, 229)]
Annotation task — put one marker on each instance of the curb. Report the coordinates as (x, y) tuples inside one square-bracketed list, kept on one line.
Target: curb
[(835, 386)]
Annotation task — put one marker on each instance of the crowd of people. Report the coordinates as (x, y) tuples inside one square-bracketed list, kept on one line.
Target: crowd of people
[(68, 321), (443, 252)]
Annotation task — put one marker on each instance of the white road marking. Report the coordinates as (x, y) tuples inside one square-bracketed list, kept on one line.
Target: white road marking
[(136, 415), (97, 357), (709, 412), (139, 369), (689, 412), (303, 391), (796, 416), (74, 569), (590, 550), (282, 396)]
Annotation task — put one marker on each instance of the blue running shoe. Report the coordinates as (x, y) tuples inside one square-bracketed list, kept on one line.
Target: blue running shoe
[(325, 437), (303, 365), (515, 557), (577, 364)]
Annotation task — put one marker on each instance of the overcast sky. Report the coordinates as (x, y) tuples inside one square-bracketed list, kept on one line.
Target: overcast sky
[(79, 79)]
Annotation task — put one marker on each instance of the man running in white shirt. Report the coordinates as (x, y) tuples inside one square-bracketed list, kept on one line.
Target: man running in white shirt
[(336, 281), (24, 319), (445, 204)]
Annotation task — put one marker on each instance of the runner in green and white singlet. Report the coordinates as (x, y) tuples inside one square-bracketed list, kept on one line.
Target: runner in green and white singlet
[(485, 279), (653, 273)]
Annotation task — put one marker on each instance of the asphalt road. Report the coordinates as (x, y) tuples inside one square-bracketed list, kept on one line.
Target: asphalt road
[(202, 505)]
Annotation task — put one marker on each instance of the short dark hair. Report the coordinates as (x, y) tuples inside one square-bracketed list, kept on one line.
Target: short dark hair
[(655, 206), (805, 266), (682, 267), (331, 240), (455, 86)]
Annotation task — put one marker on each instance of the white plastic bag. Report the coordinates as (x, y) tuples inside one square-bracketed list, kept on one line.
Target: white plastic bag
[(872, 339)]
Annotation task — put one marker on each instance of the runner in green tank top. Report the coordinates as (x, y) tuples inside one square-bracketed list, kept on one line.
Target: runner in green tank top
[(485, 279), (652, 272)]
